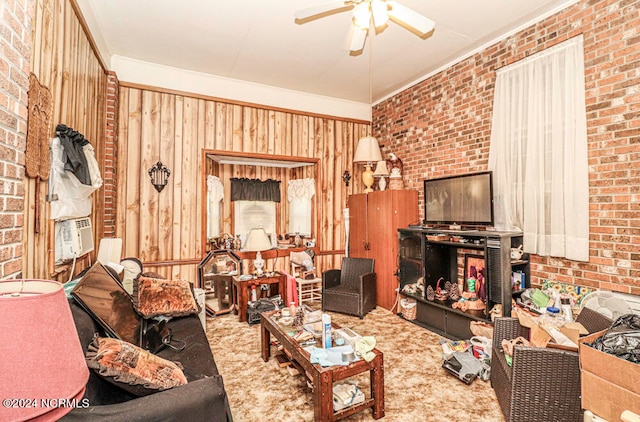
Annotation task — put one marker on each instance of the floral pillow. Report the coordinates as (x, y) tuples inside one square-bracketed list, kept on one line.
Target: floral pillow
[(154, 297), (132, 368)]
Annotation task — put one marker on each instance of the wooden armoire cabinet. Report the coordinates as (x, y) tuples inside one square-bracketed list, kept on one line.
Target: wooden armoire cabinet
[(374, 220)]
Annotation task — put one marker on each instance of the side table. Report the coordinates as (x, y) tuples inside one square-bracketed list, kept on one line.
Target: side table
[(240, 293)]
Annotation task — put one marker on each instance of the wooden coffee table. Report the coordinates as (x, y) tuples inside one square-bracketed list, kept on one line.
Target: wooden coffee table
[(323, 378)]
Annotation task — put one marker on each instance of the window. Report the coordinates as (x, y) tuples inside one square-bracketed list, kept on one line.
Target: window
[(254, 205), (538, 151), (252, 214)]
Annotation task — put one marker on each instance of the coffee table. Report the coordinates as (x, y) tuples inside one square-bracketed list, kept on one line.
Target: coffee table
[(322, 378)]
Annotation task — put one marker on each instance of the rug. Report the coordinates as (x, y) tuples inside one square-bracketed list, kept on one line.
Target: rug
[(416, 387)]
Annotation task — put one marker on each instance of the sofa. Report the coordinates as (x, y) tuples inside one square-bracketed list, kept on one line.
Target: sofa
[(203, 398)]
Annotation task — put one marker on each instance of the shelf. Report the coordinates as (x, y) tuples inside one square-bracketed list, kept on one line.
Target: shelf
[(464, 245), (473, 314), (444, 256), (519, 262)]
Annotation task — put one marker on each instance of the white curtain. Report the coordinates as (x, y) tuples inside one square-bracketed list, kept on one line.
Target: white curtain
[(215, 194), (299, 194), (538, 151)]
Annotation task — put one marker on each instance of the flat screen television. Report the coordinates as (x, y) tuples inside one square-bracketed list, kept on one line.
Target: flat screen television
[(466, 200)]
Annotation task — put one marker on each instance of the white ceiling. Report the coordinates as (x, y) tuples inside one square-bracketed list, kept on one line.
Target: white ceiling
[(260, 42)]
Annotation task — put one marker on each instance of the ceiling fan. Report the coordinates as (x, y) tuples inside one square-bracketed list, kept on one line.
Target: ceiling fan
[(365, 11)]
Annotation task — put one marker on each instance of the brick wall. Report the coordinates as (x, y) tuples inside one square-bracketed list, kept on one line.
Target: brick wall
[(15, 54), (442, 126), (111, 153)]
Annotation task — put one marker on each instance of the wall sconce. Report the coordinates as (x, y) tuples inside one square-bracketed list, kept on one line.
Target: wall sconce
[(346, 177), (159, 176)]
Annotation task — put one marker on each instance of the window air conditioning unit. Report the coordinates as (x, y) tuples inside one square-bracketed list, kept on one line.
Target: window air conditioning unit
[(74, 238)]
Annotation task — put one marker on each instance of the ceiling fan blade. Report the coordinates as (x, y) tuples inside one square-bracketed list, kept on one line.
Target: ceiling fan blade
[(333, 6), (409, 17), (358, 38)]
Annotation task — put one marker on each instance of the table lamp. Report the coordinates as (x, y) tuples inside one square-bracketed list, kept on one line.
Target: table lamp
[(368, 152), (257, 241), (381, 171), (41, 360)]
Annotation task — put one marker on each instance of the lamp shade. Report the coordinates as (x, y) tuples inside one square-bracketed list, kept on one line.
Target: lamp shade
[(367, 151), (381, 169), (41, 360), (257, 240)]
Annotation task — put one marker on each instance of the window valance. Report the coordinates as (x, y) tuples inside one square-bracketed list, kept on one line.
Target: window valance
[(243, 189)]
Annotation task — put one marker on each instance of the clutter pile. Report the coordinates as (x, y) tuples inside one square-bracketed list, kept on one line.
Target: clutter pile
[(469, 359)]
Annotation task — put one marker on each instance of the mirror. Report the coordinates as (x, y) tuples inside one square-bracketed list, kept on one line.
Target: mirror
[(215, 274)]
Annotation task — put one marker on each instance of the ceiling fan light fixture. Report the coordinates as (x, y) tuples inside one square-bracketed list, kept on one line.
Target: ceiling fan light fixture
[(361, 15), (409, 17), (379, 12), (358, 38)]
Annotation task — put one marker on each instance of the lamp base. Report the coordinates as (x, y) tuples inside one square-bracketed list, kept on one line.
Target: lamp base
[(382, 183), (367, 178), (258, 263)]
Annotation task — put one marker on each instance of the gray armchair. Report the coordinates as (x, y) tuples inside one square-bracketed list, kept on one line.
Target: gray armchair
[(351, 289)]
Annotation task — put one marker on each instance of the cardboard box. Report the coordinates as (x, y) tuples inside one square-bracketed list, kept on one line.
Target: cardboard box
[(610, 385)]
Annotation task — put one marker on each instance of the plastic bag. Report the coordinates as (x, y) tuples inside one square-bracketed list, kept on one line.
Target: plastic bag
[(622, 339)]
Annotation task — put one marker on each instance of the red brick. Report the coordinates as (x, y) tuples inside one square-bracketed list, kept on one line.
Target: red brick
[(441, 126)]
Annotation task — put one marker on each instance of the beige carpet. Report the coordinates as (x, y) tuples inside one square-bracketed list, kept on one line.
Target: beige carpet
[(416, 387)]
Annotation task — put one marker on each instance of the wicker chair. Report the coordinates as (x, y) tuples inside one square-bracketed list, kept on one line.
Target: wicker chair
[(543, 384), (351, 289)]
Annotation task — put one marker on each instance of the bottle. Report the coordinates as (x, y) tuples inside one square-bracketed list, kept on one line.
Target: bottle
[(292, 308), (565, 305), (254, 294), (326, 331)]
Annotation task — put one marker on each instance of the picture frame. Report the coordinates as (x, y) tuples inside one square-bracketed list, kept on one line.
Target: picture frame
[(475, 268)]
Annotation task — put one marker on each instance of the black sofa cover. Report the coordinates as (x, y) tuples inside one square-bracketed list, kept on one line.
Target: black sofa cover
[(202, 399)]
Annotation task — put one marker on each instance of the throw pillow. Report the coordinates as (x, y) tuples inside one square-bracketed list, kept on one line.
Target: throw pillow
[(132, 368), (154, 297)]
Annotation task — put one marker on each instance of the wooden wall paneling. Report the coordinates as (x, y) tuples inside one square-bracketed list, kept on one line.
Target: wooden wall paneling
[(237, 120), (279, 135), (249, 117), (72, 104), (337, 187), (220, 125), (198, 231), (189, 144), (133, 171), (295, 134), (272, 130), (210, 128), (176, 183), (57, 65), (262, 127), (194, 200), (64, 61), (165, 198), (229, 128), (328, 191), (148, 217), (254, 130)]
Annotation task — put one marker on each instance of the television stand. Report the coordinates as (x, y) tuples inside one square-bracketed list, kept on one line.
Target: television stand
[(433, 253)]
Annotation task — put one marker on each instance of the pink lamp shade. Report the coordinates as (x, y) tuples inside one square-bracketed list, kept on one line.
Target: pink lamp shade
[(42, 364)]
